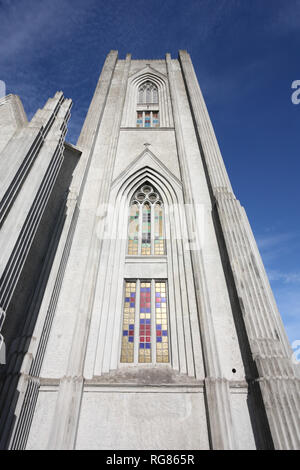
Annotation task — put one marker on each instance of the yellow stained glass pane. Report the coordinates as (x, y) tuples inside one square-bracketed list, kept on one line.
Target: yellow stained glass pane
[(127, 350), (145, 323), (162, 343)]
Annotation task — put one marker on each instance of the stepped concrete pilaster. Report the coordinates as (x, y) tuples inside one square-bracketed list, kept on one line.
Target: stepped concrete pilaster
[(267, 338)]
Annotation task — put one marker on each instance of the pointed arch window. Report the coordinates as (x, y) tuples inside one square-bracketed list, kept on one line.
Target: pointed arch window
[(146, 223), (147, 112)]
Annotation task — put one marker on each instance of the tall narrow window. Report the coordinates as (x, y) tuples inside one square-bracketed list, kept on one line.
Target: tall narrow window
[(162, 342), (146, 223), (133, 232), (145, 334), (146, 229), (145, 323), (158, 230), (139, 120), (147, 112), (127, 354), (147, 119)]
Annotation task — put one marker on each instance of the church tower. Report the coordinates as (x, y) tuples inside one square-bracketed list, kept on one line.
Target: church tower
[(156, 326)]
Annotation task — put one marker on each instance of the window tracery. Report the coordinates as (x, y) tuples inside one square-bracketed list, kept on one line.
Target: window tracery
[(146, 223)]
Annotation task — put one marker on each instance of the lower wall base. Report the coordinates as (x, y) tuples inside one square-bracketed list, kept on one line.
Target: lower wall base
[(140, 418)]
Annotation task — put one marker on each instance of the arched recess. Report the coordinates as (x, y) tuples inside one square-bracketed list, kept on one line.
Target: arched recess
[(104, 345), (131, 101)]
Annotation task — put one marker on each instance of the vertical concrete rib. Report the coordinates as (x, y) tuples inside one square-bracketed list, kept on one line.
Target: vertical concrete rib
[(262, 321)]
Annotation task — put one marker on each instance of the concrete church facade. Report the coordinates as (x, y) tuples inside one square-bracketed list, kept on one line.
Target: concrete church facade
[(149, 321)]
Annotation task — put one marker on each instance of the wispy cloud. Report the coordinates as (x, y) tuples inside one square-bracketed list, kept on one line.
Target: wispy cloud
[(275, 240), (278, 250), (286, 278), (277, 247)]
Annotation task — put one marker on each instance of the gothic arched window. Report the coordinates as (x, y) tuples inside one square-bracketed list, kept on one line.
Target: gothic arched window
[(147, 106), (146, 223), (145, 333)]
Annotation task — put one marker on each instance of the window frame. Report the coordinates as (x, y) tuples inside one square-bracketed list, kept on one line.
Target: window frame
[(153, 317), (142, 125)]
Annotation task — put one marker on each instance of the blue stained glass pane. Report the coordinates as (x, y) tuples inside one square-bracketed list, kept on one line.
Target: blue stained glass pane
[(148, 345), (158, 327), (157, 294), (132, 294), (127, 299), (130, 339), (147, 310), (143, 310), (147, 289), (142, 321), (125, 333), (157, 304), (165, 333), (143, 289), (158, 339), (131, 327), (148, 322), (131, 304), (141, 345), (163, 299), (147, 124)]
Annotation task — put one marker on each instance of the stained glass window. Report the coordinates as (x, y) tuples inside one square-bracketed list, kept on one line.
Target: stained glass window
[(147, 112), (146, 223), (145, 323), (147, 119), (127, 351), (139, 119), (162, 342), (159, 248), (155, 121), (133, 230), (146, 230), (139, 317)]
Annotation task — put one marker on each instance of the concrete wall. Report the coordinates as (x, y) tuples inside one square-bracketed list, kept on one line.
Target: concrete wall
[(35, 172)]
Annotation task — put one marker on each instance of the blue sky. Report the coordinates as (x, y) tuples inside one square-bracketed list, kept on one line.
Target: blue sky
[(246, 56)]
